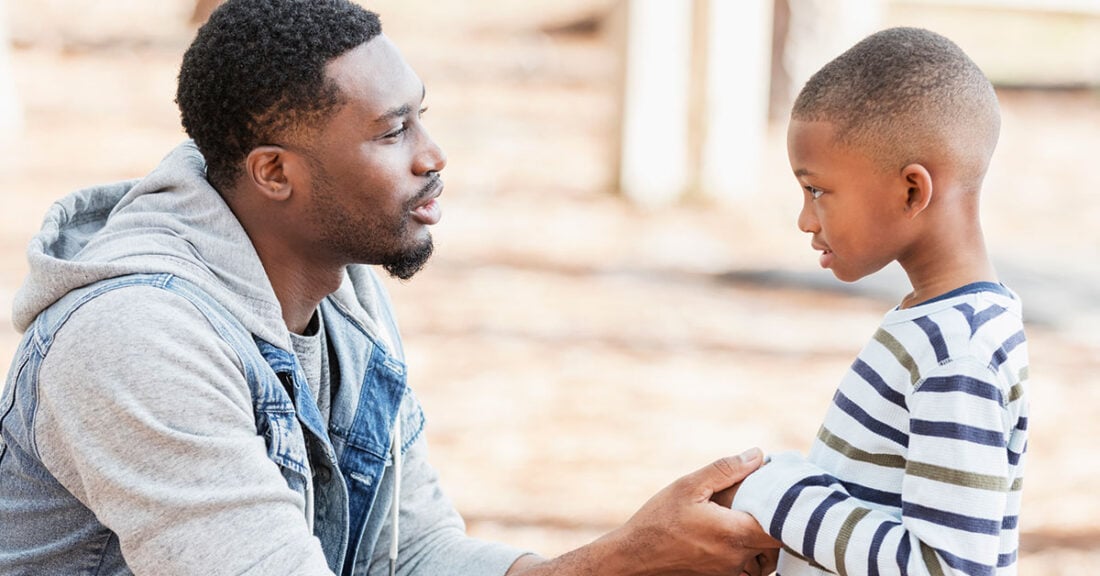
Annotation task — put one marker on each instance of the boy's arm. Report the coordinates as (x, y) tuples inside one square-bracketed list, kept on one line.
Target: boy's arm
[(956, 496)]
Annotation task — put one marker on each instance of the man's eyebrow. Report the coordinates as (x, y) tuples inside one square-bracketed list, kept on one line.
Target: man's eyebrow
[(399, 111)]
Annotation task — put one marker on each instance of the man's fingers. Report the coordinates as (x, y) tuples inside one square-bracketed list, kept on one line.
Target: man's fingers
[(748, 531), (769, 561), (726, 472), (724, 498)]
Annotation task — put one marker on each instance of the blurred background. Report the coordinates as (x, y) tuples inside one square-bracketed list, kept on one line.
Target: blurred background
[(620, 294)]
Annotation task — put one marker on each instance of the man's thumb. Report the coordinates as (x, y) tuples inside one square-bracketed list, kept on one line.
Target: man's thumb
[(726, 472)]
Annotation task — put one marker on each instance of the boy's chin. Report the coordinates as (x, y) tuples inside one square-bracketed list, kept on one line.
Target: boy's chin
[(848, 276)]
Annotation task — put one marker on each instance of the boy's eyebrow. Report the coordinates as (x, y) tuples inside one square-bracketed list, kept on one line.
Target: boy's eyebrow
[(400, 111), (803, 172)]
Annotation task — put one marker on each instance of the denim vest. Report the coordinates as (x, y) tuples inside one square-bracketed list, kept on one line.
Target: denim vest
[(59, 535)]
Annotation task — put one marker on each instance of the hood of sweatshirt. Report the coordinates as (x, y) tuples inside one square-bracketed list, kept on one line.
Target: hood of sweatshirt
[(172, 221)]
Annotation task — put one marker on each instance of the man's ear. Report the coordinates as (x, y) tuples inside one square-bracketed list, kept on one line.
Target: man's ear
[(919, 188), (266, 170)]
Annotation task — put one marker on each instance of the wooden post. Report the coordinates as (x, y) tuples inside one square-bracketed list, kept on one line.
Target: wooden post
[(737, 73), (695, 98), (655, 115)]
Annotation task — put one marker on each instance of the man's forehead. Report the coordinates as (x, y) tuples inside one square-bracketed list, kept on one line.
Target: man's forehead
[(376, 75)]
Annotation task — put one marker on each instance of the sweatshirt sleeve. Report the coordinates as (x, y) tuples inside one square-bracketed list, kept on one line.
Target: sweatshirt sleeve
[(432, 534), (145, 417), (955, 494)]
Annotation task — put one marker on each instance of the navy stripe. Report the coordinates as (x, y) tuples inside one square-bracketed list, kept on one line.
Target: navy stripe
[(972, 288), (876, 426), (872, 495), (956, 431), (951, 519), (1021, 424), (1010, 522), (1014, 458), (814, 524), (788, 499), (935, 337), (1001, 355), (967, 566), (904, 549), (976, 320), (876, 545), (871, 377), (1004, 560), (964, 384), (968, 312)]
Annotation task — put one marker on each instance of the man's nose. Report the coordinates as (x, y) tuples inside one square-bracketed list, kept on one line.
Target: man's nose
[(431, 158)]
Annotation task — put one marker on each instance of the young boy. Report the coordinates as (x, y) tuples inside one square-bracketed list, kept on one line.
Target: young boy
[(918, 466)]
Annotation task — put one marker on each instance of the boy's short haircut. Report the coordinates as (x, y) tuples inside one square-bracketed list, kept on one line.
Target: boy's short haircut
[(906, 95)]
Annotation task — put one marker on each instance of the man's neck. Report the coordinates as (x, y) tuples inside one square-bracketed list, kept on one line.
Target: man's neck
[(299, 285), (299, 279)]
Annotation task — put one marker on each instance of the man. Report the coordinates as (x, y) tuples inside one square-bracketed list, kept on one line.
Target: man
[(211, 381)]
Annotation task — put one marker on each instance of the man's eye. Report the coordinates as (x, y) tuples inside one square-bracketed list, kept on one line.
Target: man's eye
[(815, 193)]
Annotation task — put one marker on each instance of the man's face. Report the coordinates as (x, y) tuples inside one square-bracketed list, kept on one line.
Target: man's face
[(374, 171), (853, 209)]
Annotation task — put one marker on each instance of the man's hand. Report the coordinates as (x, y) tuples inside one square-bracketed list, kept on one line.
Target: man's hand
[(678, 531)]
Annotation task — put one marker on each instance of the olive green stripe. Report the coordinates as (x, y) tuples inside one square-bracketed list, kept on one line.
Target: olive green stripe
[(957, 477), (853, 453), (1015, 392), (899, 352), (930, 560), (845, 536), (798, 555), (1017, 485)]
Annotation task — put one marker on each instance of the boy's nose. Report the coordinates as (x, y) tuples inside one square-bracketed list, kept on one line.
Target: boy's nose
[(807, 220)]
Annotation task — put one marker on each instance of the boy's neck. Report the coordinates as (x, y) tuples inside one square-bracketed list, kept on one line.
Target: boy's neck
[(944, 266)]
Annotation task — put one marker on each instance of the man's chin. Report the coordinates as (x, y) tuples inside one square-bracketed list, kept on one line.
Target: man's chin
[(406, 265)]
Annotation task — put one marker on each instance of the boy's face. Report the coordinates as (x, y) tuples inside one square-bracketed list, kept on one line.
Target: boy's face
[(854, 209)]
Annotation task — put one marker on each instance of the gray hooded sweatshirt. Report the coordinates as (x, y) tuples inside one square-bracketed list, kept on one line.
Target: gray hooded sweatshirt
[(156, 421)]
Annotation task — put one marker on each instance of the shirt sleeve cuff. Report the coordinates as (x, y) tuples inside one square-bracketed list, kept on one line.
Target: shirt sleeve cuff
[(760, 493)]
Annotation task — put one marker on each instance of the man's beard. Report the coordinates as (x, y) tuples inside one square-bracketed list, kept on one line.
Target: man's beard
[(403, 266)]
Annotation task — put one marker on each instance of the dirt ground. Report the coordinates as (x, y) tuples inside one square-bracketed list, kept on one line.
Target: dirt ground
[(575, 353)]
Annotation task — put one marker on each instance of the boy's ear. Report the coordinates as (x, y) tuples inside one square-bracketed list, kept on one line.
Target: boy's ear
[(266, 169), (919, 188)]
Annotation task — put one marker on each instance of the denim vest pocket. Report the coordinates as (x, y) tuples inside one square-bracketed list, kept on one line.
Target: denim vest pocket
[(277, 423)]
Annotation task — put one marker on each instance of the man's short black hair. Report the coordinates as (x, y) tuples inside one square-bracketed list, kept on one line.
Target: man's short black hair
[(256, 71)]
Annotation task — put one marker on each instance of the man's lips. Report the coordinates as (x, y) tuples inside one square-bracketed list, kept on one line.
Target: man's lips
[(428, 211)]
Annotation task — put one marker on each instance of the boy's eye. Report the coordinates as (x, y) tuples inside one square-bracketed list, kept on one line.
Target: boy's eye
[(815, 193), (401, 129)]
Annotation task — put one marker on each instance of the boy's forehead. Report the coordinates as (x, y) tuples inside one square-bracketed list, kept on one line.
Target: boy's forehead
[(814, 147), (807, 138)]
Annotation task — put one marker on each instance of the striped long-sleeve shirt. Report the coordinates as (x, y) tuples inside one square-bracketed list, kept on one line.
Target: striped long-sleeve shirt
[(918, 466)]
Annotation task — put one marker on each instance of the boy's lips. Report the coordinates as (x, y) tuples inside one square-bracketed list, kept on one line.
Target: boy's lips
[(826, 259)]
